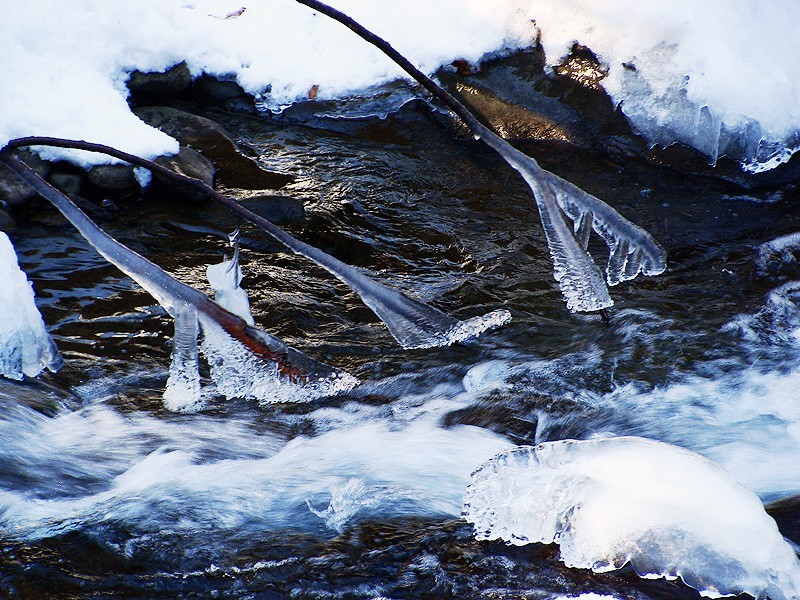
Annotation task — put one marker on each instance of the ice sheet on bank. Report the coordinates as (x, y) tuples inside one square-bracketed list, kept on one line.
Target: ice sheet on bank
[(26, 348), (667, 511), (713, 75)]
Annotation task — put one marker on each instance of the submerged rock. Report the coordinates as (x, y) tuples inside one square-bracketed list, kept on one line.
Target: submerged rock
[(233, 168), (280, 210), (192, 164), (15, 192)]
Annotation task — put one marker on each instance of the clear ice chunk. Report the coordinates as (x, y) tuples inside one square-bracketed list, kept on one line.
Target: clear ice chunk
[(275, 373), (632, 249), (664, 510), (26, 348), (183, 393)]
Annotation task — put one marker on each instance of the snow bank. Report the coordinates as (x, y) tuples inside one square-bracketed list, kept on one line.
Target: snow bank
[(25, 346), (607, 502), (709, 74), (69, 61)]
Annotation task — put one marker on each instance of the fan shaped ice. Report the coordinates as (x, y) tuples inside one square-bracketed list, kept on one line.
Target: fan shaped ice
[(632, 249), (25, 346), (226, 279), (667, 511)]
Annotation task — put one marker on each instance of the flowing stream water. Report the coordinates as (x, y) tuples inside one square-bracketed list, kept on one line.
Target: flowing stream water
[(104, 493)]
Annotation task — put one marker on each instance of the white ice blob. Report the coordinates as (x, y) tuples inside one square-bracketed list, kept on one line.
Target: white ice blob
[(607, 502), (226, 279), (26, 348)]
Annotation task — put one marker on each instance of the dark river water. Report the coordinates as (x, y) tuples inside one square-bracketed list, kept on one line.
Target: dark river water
[(104, 494)]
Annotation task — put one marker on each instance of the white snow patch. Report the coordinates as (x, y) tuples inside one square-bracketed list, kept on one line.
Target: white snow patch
[(716, 75)]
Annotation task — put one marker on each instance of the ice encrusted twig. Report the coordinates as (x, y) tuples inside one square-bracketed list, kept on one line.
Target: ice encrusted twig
[(632, 249), (245, 360), (412, 323)]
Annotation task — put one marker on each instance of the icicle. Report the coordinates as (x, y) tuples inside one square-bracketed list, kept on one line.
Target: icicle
[(226, 279), (183, 386)]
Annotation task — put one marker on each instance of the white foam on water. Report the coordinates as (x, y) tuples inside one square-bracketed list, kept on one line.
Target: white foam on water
[(192, 473), (26, 348), (664, 510)]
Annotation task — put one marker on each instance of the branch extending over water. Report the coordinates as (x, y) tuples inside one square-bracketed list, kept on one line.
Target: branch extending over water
[(275, 369), (412, 323), (632, 249)]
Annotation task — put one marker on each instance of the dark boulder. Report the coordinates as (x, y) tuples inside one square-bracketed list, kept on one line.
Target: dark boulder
[(115, 178), (160, 85)]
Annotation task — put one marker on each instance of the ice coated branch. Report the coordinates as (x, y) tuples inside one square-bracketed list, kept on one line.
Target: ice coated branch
[(412, 323), (632, 249), (245, 360)]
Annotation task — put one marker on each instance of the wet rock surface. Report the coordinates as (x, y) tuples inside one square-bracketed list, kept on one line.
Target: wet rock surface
[(234, 169)]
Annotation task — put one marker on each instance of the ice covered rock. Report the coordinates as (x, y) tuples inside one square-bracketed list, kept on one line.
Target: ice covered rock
[(25, 346), (666, 511)]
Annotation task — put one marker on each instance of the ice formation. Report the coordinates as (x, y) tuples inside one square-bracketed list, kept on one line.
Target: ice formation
[(183, 393), (226, 278), (607, 502), (245, 361), (26, 348), (413, 324), (632, 249), (712, 75)]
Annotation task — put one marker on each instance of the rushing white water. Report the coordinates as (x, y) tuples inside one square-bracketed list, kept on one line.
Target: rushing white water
[(96, 467), (26, 348), (612, 501)]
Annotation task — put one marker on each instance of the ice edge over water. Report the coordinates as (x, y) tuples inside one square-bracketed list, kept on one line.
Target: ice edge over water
[(607, 502)]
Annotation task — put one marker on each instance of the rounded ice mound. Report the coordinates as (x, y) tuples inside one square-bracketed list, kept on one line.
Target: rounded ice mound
[(667, 511)]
